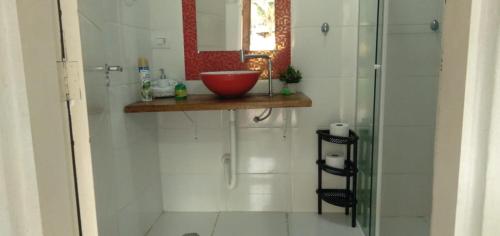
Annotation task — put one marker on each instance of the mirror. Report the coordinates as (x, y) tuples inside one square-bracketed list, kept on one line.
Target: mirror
[(267, 32), (231, 25)]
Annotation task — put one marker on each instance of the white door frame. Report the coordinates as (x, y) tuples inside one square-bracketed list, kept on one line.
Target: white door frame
[(73, 69), (36, 171), (478, 193), (466, 197)]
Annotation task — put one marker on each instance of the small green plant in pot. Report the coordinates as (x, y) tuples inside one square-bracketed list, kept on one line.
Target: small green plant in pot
[(290, 77)]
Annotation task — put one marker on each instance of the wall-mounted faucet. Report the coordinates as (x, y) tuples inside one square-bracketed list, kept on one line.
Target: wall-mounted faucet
[(245, 57), (267, 113)]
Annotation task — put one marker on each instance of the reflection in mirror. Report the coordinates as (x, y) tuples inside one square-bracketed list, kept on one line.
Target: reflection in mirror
[(230, 25), (208, 47), (259, 25), (218, 25)]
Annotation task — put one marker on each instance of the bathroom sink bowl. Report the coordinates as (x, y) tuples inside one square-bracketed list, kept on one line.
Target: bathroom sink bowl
[(230, 83)]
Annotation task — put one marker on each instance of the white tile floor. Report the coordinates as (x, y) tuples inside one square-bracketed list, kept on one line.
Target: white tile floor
[(253, 224)]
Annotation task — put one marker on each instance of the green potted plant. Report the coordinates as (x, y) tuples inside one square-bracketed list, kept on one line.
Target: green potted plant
[(290, 77)]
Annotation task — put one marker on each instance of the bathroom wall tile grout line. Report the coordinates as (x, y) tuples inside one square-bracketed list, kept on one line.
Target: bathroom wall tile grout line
[(215, 223), (287, 219), (154, 223)]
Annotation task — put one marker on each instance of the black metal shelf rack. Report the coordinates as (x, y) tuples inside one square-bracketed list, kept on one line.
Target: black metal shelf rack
[(345, 198)]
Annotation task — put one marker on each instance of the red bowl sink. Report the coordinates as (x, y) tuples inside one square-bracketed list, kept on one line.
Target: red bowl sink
[(230, 83)]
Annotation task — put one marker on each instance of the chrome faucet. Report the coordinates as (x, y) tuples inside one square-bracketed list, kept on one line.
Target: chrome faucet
[(245, 57), (267, 112)]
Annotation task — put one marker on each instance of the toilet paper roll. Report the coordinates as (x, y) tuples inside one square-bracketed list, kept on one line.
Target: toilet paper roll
[(339, 129), (335, 160)]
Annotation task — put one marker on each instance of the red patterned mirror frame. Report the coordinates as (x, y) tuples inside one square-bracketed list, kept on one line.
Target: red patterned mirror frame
[(197, 62)]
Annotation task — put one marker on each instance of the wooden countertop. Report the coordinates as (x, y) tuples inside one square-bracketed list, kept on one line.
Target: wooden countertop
[(212, 102)]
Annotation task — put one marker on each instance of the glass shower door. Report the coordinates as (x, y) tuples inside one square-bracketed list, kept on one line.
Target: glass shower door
[(98, 105), (367, 108)]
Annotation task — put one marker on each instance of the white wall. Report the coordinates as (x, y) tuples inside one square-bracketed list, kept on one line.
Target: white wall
[(450, 116), (124, 146), (211, 24), (411, 86), (328, 64), (20, 208), (49, 122), (276, 173), (166, 21)]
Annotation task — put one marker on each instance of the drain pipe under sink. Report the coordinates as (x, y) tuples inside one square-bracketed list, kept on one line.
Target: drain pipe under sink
[(229, 160)]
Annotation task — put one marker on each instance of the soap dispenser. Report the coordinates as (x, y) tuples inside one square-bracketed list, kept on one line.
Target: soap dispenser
[(164, 87), (163, 81)]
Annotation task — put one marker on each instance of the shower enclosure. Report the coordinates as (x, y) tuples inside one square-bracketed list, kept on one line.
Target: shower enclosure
[(369, 81), (399, 58), (124, 147), (411, 66)]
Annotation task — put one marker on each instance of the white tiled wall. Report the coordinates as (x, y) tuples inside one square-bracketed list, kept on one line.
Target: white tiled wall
[(277, 170), (166, 21), (124, 147), (211, 24), (413, 61)]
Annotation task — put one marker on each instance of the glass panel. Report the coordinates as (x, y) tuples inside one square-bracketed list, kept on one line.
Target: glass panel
[(411, 64), (368, 84), (124, 147), (93, 40)]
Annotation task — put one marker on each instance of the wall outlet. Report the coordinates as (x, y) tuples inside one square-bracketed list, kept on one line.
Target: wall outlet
[(160, 40)]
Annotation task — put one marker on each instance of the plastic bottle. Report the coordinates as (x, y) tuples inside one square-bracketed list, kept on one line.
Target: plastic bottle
[(146, 89), (180, 92), (163, 81), (143, 66)]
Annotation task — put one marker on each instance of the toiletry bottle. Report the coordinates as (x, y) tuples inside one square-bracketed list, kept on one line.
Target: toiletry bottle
[(180, 92), (146, 89), (143, 67)]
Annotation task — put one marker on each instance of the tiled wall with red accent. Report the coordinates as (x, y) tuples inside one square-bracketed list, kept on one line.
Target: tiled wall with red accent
[(276, 158), (196, 62)]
